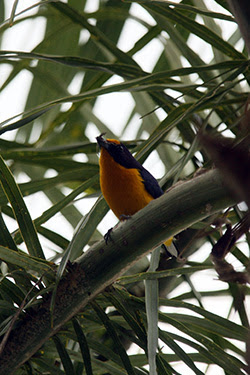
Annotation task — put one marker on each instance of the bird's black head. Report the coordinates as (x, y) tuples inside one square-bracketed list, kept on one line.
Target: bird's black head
[(119, 152)]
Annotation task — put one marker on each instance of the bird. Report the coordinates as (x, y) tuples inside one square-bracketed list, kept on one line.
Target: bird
[(125, 184)]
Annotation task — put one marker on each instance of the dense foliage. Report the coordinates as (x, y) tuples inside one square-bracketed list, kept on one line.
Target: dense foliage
[(178, 77)]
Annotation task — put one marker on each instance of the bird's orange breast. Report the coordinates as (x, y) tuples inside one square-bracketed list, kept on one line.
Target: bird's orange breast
[(123, 188)]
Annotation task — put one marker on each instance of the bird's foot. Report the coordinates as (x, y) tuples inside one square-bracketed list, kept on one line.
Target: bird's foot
[(125, 217), (107, 236)]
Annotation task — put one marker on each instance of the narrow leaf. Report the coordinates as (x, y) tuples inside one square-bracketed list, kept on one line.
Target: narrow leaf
[(83, 346), (113, 334), (151, 303), (21, 259), (64, 356), (20, 210)]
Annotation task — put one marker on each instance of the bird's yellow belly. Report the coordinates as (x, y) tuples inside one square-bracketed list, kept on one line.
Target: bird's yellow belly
[(123, 189)]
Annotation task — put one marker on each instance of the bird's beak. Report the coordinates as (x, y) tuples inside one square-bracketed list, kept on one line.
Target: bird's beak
[(101, 141)]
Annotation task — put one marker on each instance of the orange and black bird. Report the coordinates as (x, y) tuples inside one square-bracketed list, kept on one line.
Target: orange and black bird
[(126, 185)]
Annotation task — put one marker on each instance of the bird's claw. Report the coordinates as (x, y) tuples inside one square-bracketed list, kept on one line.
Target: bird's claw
[(107, 236), (125, 217)]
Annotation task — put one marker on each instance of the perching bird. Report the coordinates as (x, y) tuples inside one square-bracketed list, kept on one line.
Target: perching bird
[(126, 185)]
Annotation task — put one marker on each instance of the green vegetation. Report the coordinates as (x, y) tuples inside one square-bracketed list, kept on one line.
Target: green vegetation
[(61, 317)]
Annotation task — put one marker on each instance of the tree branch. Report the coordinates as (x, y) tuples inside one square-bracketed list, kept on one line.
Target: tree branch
[(103, 263), (241, 11)]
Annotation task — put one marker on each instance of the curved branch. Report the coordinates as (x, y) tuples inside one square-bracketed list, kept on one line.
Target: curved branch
[(241, 11)]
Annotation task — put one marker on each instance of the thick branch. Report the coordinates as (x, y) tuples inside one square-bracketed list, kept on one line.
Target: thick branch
[(241, 11), (101, 265)]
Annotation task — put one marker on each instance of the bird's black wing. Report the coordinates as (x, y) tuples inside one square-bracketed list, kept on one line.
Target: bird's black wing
[(150, 183)]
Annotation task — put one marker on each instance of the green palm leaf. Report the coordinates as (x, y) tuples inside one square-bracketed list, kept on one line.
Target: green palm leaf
[(88, 63)]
